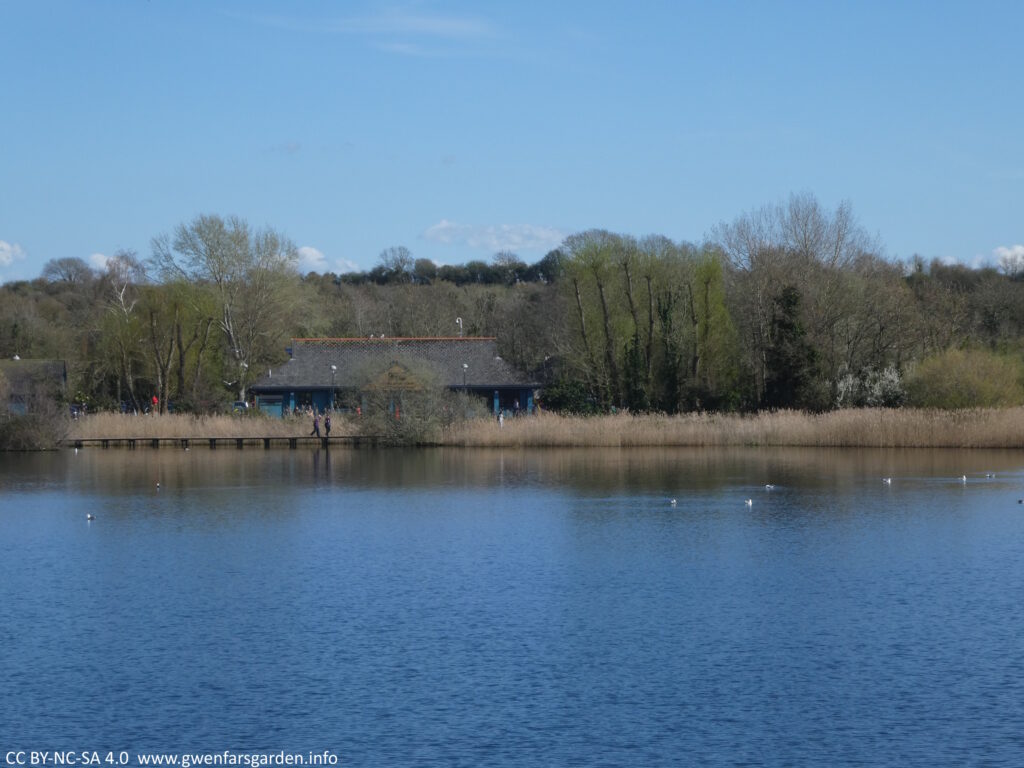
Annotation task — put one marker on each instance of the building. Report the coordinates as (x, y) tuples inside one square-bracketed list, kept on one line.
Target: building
[(340, 373), (26, 384)]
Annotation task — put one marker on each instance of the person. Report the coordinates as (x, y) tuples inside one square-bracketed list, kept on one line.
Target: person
[(501, 419), (327, 424), (515, 409), (316, 424)]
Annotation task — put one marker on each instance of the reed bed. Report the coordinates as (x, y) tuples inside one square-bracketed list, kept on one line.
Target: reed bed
[(860, 428), (852, 428), (175, 425)]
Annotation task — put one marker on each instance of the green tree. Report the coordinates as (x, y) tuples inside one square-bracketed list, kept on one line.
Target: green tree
[(791, 362), (253, 276), (966, 378)]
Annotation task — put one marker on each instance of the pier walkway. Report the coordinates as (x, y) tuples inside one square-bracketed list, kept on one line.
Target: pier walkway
[(214, 442)]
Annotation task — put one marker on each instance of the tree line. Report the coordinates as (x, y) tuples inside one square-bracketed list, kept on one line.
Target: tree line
[(788, 306)]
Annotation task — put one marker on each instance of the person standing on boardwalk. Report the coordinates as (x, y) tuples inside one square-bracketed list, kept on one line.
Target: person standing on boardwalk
[(327, 424), (316, 423)]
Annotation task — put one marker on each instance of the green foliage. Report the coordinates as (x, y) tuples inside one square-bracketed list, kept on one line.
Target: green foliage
[(959, 378), (791, 362), (42, 427), (401, 402), (791, 306), (636, 396), (567, 395)]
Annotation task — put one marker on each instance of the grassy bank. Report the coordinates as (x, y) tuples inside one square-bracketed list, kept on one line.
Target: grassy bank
[(862, 428)]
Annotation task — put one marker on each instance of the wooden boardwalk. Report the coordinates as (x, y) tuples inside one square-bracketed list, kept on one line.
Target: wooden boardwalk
[(214, 442)]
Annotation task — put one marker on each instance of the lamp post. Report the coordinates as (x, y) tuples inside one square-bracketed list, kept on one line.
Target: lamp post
[(334, 371), (465, 367)]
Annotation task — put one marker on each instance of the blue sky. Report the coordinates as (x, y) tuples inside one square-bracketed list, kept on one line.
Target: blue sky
[(458, 129)]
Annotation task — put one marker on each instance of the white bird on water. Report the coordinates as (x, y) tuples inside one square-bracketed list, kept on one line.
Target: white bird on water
[(769, 487), (963, 478), (672, 502), (90, 516), (887, 480), (749, 502)]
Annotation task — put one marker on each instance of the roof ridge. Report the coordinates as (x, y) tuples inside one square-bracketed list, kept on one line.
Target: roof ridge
[(397, 338)]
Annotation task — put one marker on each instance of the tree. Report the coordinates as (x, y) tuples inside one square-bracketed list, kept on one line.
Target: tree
[(959, 378), (424, 271), (252, 274), (714, 369), (398, 263), (799, 245), (121, 329), (590, 262), (67, 270), (791, 362), (549, 269), (508, 267)]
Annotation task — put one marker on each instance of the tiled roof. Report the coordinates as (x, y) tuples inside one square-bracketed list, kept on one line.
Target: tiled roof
[(360, 361)]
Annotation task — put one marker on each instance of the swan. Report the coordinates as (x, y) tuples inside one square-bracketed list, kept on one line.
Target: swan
[(749, 502), (90, 516)]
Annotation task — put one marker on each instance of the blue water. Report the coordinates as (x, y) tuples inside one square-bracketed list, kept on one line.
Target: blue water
[(548, 608)]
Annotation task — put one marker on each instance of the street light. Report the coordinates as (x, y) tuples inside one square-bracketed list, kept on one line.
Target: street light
[(465, 367), (334, 370)]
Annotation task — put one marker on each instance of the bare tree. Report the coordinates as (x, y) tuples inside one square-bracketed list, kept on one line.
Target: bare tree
[(250, 272), (67, 270), (398, 260)]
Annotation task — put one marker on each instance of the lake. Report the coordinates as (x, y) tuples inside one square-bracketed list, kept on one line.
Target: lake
[(516, 608)]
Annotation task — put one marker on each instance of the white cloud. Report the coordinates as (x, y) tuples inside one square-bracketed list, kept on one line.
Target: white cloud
[(98, 261), (1010, 258), (9, 253), (313, 260), (1009, 252), (500, 237), (977, 261)]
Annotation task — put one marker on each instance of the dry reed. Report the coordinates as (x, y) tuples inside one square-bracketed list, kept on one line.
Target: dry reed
[(860, 428), (852, 428), (123, 426)]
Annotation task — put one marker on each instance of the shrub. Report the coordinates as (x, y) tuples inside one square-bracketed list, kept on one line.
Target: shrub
[(872, 389), (960, 378)]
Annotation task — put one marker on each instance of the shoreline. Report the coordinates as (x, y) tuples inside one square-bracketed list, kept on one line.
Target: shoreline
[(850, 428)]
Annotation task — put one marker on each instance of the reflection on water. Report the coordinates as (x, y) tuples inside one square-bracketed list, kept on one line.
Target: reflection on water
[(597, 470), (546, 607)]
